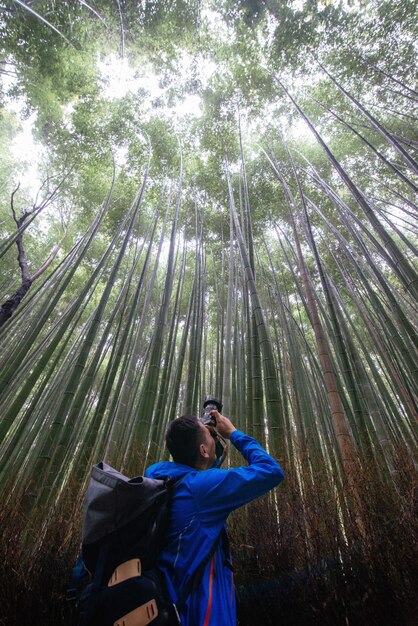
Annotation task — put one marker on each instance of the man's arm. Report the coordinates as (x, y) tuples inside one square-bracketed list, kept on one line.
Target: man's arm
[(222, 491)]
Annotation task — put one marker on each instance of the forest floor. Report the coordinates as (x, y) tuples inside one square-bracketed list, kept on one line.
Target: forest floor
[(294, 565)]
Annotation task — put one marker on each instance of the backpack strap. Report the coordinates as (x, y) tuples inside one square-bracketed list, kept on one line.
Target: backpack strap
[(198, 573), (91, 592), (227, 550), (78, 576), (97, 580)]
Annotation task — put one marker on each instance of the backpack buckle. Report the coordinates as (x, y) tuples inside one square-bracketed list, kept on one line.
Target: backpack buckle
[(124, 571), (140, 616)]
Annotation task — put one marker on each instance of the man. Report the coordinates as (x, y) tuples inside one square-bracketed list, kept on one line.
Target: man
[(203, 498)]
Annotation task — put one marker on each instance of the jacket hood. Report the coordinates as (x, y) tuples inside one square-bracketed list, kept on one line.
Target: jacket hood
[(168, 469)]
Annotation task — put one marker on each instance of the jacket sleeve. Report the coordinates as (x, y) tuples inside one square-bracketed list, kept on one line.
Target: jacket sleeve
[(218, 492)]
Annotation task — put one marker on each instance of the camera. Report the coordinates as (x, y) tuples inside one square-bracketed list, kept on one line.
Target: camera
[(213, 404), (210, 404)]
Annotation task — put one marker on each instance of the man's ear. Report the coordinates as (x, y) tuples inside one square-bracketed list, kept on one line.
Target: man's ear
[(203, 452)]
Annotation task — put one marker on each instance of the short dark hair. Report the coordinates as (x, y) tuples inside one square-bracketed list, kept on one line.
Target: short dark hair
[(183, 438)]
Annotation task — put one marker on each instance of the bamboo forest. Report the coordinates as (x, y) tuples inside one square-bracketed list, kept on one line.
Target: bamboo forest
[(214, 197)]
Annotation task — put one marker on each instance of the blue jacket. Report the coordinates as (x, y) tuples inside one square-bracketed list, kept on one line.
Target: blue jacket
[(202, 501)]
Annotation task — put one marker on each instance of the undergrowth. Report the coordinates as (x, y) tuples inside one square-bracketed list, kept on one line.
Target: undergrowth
[(295, 565)]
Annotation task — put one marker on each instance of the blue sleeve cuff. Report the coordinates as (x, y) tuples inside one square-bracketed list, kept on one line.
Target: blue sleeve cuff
[(235, 435)]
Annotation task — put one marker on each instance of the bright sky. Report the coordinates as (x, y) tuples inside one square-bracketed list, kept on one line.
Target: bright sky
[(28, 153), (120, 79), (23, 147)]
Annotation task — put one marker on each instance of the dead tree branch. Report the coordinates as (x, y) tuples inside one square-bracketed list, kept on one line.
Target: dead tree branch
[(11, 304)]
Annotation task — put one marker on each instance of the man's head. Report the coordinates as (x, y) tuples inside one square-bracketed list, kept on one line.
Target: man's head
[(190, 442)]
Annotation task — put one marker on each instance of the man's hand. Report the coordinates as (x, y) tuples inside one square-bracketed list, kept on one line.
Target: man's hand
[(223, 425)]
